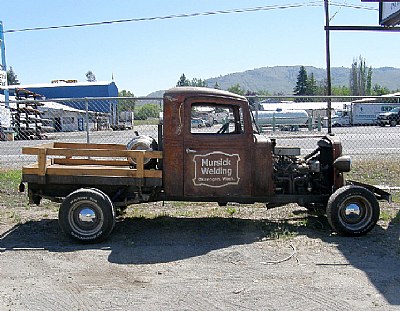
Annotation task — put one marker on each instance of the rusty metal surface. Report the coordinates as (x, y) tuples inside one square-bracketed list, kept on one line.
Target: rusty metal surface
[(262, 167), (210, 165)]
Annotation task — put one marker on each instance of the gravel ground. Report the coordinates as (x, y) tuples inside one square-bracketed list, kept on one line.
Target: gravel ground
[(199, 257)]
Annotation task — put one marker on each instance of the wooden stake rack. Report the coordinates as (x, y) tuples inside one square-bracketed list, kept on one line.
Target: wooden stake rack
[(84, 159)]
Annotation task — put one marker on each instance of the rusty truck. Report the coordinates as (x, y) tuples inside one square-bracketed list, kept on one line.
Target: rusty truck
[(229, 161)]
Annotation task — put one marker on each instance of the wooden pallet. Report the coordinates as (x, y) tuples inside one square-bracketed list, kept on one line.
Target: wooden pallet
[(83, 159)]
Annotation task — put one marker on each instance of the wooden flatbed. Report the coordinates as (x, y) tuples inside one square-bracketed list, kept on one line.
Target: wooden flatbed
[(86, 163)]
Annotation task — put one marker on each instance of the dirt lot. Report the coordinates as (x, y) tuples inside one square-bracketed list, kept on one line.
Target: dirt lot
[(198, 257)]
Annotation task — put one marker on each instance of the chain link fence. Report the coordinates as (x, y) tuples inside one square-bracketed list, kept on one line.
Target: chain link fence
[(298, 121)]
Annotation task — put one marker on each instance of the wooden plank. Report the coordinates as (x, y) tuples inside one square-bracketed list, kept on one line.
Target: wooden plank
[(152, 173), (42, 163), (140, 164), (101, 170), (84, 149), (35, 150), (90, 170), (85, 170), (31, 169), (89, 146), (102, 153), (75, 161)]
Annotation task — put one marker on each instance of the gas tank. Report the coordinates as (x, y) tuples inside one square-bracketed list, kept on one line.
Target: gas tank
[(283, 117)]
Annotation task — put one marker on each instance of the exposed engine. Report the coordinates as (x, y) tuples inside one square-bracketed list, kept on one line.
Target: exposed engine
[(311, 174)]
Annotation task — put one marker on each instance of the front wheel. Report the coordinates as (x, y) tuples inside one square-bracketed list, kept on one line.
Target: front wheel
[(87, 215), (352, 210)]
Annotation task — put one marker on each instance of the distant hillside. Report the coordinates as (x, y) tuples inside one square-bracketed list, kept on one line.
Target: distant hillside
[(282, 79)]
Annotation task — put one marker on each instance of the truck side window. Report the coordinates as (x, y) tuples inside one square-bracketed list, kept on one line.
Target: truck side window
[(209, 118)]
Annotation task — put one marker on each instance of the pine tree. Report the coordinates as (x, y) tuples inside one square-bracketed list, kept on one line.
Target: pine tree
[(183, 81), (302, 81), (12, 78), (311, 86), (90, 77)]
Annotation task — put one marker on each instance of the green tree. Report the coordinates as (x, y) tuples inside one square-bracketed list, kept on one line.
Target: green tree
[(369, 82), (360, 77), (311, 85), (90, 77), (198, 82), (340, 90), (12, 78), (183, 81), (237, 89), (378, 90), (126, 104), (302, 82), (147, 111)]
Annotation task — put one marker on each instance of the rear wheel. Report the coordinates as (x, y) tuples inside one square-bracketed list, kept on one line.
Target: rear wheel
[(87, 215), (352, 210), (392, 122)]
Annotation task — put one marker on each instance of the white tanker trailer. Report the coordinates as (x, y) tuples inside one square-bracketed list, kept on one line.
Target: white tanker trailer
[(280, 117)]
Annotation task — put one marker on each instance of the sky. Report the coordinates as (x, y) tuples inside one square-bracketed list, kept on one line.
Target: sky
[(151, 55)]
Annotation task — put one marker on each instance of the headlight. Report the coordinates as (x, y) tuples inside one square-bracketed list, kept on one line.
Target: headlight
[(343, 164)]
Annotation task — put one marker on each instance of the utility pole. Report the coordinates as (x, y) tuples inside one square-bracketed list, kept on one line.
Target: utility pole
[(3, 64), (328, 67)]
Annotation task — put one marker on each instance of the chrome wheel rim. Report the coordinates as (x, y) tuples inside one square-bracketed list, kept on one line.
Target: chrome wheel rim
[(355, 213), (86, 218)]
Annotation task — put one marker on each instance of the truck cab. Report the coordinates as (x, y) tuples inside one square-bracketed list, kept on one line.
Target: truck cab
[(232, 162), (225, 160)]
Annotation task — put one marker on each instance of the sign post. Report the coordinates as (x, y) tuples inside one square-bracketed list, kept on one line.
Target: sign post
[(3, 66)]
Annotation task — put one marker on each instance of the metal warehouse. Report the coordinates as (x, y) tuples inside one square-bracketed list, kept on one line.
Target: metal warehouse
[(62, 89)]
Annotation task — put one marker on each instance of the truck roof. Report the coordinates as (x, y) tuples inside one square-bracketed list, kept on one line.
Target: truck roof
[(188, 91)]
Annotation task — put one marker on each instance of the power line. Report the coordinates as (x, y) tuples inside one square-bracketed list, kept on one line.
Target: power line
[(219, 12), (231, 11), (353, 6)]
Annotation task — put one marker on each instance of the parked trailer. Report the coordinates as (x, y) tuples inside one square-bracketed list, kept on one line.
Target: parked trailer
[(360, 113)]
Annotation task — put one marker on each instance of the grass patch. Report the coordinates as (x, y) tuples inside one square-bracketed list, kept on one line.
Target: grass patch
[(146, 122), (376, 172), (9, 180)]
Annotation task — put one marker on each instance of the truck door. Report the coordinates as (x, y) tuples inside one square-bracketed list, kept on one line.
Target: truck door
[(217, 150)]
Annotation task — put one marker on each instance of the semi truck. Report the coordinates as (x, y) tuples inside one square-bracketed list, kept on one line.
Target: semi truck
[(360, 113), (229, 162)]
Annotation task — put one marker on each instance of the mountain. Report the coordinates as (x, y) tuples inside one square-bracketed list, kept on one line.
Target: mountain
[(282, 79)]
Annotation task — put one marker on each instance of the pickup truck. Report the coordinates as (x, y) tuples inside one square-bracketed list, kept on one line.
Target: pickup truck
[(229, 162), (391, 117)]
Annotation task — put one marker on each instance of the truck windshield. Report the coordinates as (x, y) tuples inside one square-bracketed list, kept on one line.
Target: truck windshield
[(209, 118)]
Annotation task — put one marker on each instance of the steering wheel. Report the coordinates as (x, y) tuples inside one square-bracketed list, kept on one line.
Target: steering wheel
[(223, 128)]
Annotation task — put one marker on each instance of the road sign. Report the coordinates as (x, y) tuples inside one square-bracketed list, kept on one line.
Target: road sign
[(389, 13)]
